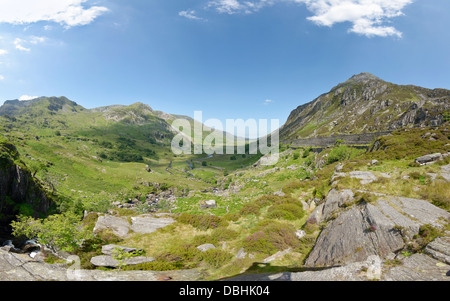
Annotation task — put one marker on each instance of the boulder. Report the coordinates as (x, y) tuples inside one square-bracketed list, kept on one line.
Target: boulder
[(206, 247), (208, 204), (366, 177), (148, 224), (110, 261), (376, 228), (110, 249), (429, 159), (300, 234), (119, 226)]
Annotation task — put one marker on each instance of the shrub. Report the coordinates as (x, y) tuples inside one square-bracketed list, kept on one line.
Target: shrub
[(58, 232), (258, 242), (224, 234), (250, 208), (215, 258), (271, 236), (339, 153), (200, 221), (287, 211)]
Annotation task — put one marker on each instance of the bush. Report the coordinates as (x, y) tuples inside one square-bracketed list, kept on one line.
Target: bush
[(58, 232), (286, 211), (215, 258), (339, 153), (200, 221), (250, 208), (271, 236), (224, 234), (258, 242)]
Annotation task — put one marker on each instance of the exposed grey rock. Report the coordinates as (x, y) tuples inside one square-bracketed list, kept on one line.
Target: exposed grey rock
[(348, 238), (110, 249), (17, 267), (300, 234), (206, 247), (445, 172), (241, 254), (208, 204), (277, 255), (439, 249), (317, 213), (119, 226), (366, 177), (418, 267), (148, 224), (110, 261), (105, 261), (428, 159), (335, 199)]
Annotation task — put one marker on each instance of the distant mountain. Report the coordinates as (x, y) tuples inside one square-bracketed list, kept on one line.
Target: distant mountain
[(366, 104)]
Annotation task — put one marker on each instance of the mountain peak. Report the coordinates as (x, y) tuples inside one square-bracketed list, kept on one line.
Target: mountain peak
[(363, 77)]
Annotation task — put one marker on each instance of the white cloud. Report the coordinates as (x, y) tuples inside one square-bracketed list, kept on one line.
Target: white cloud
[(237, 6), (2, 77), (27, 97), (190, 14), (33, 40), (367, 16), (268, 101), (65, 12), (18, 43), (3, 51)]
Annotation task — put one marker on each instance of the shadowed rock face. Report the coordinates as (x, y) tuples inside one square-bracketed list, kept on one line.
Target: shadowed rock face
[(18, 187), (370, 229)]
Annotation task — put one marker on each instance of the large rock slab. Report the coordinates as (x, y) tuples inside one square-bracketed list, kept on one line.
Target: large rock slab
[(119, 226), (366, 177), (377, 228), (439, 249), (148, 224), (110, 261), (419, 267), (18, 267), (429, 159), (111, 249)]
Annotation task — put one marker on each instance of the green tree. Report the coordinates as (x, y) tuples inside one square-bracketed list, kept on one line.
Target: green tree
[(58, 232)]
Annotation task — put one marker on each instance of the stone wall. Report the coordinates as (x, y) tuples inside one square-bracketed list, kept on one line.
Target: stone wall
[(356, 139)]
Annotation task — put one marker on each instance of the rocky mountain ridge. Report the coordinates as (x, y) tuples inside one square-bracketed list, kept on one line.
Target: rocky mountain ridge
[(366, 104)]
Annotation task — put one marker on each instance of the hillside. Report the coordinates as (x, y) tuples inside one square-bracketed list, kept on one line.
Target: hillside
[(97, 156), (367, 104), (137, 211)]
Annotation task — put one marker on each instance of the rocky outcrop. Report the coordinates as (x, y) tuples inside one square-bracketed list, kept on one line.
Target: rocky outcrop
[(377, 228), (18, 188), (17, 267), (139, 224)]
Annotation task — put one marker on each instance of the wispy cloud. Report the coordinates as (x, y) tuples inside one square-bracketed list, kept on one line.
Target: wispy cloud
[(33, 40), (3, 51), (368, 17), (237, 6), (65, 12), (2, 77), (190, 14), (268, 101)]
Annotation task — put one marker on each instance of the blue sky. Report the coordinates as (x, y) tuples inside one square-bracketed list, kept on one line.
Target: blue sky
[(228, 58)]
